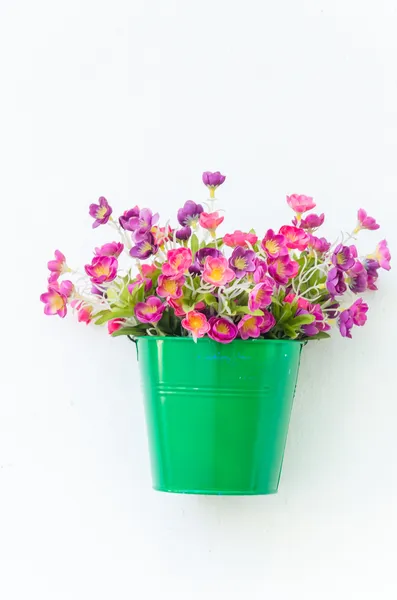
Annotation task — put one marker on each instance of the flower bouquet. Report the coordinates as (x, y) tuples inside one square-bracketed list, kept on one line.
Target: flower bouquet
[(235, 310)]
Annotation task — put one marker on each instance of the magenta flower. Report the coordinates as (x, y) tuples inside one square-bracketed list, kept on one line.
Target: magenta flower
[(84, 314), (300, 204), (124, 220), (170, 287), (222, 330), (178, 262), (336, 282), (250, 326), (211, 221), (282, 269), (57, 267), (145, 247), (242, 261), (344, 257), (217, 271), (102, 269), (55, 299), (320, 245), (110, 249), (365, 222), (184, 233), (274, 244), (372, 266), (355, 315), (261, 295), (295, 238), (357, 278), (142, 224), (311, 222), (260, 270), (100, 212), (345, 323), (268, 322), (115, 325), (213, 181), (200, 257), (150, 311), (239, 238), (382, 255), (189, 214), (196, 323)]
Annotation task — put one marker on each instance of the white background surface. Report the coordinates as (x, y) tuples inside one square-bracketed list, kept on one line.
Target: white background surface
[(133, 100)]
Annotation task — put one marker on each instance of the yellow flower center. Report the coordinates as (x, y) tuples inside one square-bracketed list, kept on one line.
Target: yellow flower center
[(57, 302), (195, 322), (101, 212), (101, 270), (223, 328), (240, 263), (272, 246), (217, 274)]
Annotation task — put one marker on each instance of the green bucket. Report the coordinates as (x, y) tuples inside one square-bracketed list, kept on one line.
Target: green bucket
[(217, 414)]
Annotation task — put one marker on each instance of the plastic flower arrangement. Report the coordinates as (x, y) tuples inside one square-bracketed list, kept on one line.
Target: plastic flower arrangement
[(189, 280)]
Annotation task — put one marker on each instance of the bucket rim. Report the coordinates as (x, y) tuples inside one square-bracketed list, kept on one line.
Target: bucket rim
[(207, 340)]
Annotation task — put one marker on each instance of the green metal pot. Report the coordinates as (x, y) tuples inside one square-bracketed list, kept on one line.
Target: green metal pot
[(217, 414)]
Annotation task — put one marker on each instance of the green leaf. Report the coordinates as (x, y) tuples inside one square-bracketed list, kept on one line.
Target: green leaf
[(290, 332), (321, 335), (301, 320), (108, 315), (194, 244), (244, 310), (210, 300), (134, 331)]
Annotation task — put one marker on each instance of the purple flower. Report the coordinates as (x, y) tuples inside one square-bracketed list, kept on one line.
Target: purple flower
[(320, 245), (222, 330), (260, 270), (318, 324), (124, 220), (142, 224), (184, 233), (199, 259), (335, 282), (144, 248), (357, 278), (371, 266), (344, 257), (345, 323), (364, 221), (355, 315), (212, 181), (100, 212), (189, 214), (242, 261), (150, 311), (311, 222)]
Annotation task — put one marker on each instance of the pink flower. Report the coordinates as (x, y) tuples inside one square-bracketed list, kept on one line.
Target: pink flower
[(250, 326), (84, 314), (300, 204), (311, 222), (161, 234), (210, 221), (261, 295), (222, 330), (170, 287), (179, 261), (145, 276), (196, 323), (274, 244), (55, 299), (260, 270), (282, 269), (365, 222), (101, 212), (238, 238), (102, 269), (57, 267), (296, 238), (110, 249), (115, 325), (320, 245), (150, 311), (217, 271), (268, 322), (358, 312), (382, 255)]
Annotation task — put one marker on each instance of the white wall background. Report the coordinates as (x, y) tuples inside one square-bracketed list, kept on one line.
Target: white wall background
[(133, 100)]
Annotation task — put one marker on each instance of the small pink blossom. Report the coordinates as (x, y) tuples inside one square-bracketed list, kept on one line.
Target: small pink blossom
[(57, 267), (310, 223), (196, 323), (211, 221), (238, 238), (115, 325), (102, 269), (364, 221), (320, 245), (222, 330), (217, 271), (282, 269), (300, 203), (110, 249), (296, 238), (150, 311), (260, 270), (358, 312), (178, 262), (261, 295), (170, 287), (101, 212), (382, 255), (268, 322), (274, 244), (250, 326), (84, 315), (55, 299)]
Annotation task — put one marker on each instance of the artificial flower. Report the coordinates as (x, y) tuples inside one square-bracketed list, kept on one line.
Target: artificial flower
[(149, 311), (320, 245), (295, 238), (274, 244), (196, 323), (200, 257), (57, 267), (242, 261), (170, 287), (110, 249), (100, 212), (102, 269), (142, 224), (217, 271), (250, 326), (364, 221), (261, 295), (300, 203), (210, 221), (115, 325), (213, 181), (310, 223), (382, 255), (336, 282), (145, 247), (343, 257), (124, 220), (357, 278), (222, 330), (55, 299), (238, 238), (178, 262), (189, 214), (282, 269)]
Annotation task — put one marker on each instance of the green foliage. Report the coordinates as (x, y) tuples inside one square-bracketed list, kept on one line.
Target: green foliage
[(137, 331), (194, 244)]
